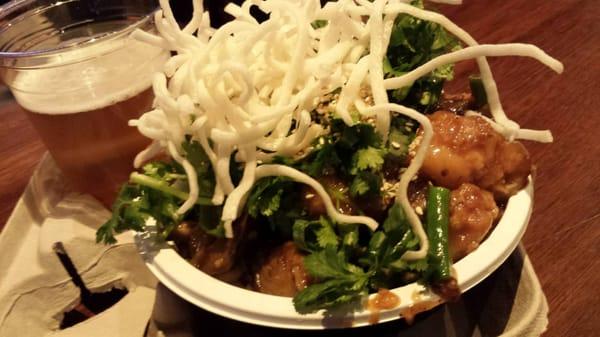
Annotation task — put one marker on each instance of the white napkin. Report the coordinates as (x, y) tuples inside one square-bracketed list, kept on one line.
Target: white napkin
[(35, 289)]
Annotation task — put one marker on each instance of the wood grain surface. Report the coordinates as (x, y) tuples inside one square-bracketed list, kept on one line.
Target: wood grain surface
[(563, 237)]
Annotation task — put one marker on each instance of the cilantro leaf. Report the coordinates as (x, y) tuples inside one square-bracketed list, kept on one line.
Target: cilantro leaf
[(400, 234), (314, 235), (329, 263), (383, 255), (195, 154), (359, 186), (396, 221), (399, 140), (136, 204), (163, 171), (341, 281), (274, 201), (350, 236), (326, 235), (413, 42), (323, 157), (377, 249), (357, 136), (330, 294), (334, 151), (265, 197), (106, 232), (365, 183), (368, 158), (156, 194)]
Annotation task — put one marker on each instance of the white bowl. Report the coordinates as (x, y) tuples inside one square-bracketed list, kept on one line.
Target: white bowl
[(252, 307)]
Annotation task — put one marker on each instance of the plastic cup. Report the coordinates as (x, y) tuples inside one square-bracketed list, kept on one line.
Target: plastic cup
[(79, 76)]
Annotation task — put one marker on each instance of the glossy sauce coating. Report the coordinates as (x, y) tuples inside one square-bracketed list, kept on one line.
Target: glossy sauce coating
[(383, 300), (473, 211), (283, 272), (469, 150)]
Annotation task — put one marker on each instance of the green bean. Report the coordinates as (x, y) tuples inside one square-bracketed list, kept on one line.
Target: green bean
[(438, 208)]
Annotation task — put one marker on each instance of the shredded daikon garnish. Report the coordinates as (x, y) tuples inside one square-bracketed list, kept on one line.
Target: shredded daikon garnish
[(247, 90), (541, 136), (301, 177), (486, 73)]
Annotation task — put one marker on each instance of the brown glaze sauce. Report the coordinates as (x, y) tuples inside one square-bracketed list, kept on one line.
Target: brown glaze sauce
[(383, 300), (411, 312)]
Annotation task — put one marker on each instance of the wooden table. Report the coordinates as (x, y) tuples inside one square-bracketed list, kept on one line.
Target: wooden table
[(563, 237)]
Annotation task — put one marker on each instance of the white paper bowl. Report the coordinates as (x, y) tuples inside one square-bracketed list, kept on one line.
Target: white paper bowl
[(252, 307)]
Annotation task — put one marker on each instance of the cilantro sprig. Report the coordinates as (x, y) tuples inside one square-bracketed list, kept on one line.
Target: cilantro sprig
[(414, 42), (315, 235), (340, 282), (345, 274), (156, 193)]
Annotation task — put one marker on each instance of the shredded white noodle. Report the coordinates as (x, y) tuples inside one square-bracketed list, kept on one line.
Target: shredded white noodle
[(248, 88)]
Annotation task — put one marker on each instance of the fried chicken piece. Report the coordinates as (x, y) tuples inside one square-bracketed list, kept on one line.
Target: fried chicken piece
[(282, 273), (472, 214), (469, 150), (214, 256)]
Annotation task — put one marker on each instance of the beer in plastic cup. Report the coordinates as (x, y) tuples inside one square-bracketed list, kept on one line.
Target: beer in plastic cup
[(79, 76)]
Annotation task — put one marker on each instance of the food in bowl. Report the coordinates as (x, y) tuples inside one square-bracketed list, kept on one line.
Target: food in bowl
[(314, 155)]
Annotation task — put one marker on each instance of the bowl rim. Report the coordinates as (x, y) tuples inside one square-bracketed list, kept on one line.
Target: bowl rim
[(252, 307)]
